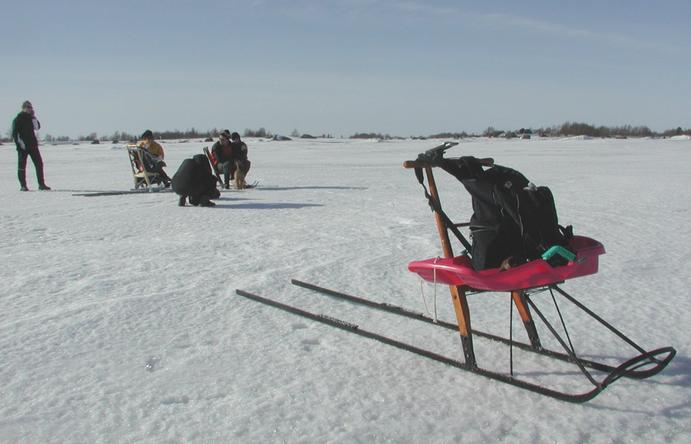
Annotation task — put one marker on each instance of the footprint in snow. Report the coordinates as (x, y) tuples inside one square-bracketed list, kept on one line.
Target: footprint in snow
[(151, 363), (309, 344), (175, 400)]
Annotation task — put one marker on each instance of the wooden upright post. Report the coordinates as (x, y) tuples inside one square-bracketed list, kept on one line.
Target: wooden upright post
[(458, 294), (519, 299)]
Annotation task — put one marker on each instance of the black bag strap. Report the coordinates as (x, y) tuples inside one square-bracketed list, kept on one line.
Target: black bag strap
[(436, 207)]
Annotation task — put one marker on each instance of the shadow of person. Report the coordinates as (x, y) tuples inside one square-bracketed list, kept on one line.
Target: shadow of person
[(268, 206), (316, 187)]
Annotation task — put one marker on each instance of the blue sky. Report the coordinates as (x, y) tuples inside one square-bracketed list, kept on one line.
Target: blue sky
[(343, 66)]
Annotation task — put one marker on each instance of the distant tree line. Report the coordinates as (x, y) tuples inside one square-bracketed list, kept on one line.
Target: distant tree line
[(584, 129), (448, 135), (564, 130), (124, 136), (261, 133), (50, 139), (374, 136)]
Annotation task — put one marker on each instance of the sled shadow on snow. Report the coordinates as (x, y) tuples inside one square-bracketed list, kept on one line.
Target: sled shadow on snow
[(679, 410), (681, 371), (267, 206), (72, 190), (231, 199), (674, 411), (316, 187)]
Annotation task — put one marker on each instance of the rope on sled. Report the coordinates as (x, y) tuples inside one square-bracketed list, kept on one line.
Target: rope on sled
[(434, 299), (511, 336)]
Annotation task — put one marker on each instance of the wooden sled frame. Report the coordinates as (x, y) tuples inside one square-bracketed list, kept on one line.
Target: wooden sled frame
[(646, 364), (142, 177)]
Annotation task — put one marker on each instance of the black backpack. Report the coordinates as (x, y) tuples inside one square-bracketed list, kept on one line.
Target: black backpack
[(512, 219)]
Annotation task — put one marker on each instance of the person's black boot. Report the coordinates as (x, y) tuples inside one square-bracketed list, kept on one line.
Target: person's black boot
[(21, 174), (205, 202), (44, 187), (181, 202)]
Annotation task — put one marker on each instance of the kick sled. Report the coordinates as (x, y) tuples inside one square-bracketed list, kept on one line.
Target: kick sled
[(533, 287), (143, 168), (524, 282)]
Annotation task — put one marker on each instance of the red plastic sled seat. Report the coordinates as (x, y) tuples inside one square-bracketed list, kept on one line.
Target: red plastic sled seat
[(537, 273)]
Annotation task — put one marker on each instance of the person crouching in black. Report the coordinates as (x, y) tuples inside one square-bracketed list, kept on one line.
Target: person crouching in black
[(194, 180)]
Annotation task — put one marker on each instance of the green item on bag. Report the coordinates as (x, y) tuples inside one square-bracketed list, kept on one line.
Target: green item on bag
[(561, 251)]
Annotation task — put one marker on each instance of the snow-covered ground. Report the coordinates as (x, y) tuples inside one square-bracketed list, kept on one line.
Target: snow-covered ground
[(119, 320)]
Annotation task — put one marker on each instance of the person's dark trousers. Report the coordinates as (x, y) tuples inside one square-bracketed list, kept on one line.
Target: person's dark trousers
[(159, 169), (164, 176), (228, 172), (38, 164)]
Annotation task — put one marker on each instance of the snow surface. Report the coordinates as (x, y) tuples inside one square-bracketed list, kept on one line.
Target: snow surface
[(119, 321)]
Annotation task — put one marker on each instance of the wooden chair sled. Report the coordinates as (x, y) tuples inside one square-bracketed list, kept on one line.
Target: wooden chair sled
[(142, 168)]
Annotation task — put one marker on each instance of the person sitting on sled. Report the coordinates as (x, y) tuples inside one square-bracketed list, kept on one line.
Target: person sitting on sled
[(224, 155), (195, 181), (241, 162), (155, 152)]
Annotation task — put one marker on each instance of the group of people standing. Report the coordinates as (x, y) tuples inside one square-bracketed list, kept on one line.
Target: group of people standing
[(194, 179)]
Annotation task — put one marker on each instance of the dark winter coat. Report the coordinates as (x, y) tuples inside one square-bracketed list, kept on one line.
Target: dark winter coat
[(223, 153), (194, 178), (23, 128), (239, 150)]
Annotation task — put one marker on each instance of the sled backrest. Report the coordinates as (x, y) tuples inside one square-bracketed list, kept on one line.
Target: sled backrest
[(513, 221), (142, 166), (424, 167)]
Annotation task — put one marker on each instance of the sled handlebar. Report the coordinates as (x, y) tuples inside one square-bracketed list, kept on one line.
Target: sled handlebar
[(487, 161)]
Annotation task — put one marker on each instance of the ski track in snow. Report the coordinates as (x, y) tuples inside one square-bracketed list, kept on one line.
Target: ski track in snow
[(119, 321)]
